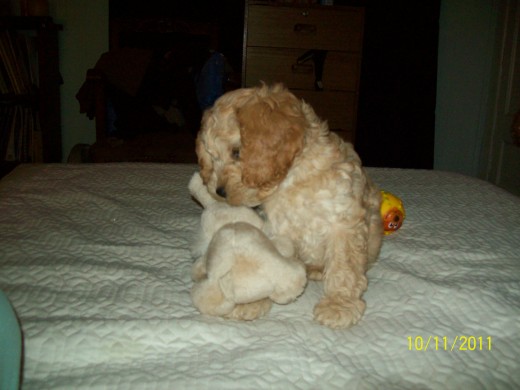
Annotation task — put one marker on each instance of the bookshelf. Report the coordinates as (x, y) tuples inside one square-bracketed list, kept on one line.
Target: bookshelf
[(30, 119)]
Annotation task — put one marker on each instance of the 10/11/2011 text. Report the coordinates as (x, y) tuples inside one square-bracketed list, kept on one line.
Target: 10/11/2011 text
[(444, 343)]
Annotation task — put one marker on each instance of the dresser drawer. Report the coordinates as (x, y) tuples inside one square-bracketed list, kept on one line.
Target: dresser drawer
[(340, 72), (337, 108), (325, 28)]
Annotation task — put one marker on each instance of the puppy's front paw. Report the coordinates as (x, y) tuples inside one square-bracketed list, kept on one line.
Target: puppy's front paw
[(250, 311), (339, 312)]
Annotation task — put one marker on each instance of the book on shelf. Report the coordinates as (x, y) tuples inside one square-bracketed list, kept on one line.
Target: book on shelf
[(5, 86), (19, 59), (5, 131), (20, 134)]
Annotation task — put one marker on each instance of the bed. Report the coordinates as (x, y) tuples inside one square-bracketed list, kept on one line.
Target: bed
[(95, 260)]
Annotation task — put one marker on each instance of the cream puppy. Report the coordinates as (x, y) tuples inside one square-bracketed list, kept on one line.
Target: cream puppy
[(264, 147)]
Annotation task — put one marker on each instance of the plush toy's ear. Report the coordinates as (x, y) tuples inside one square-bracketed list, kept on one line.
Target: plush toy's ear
[(271, 135), (199, 191)]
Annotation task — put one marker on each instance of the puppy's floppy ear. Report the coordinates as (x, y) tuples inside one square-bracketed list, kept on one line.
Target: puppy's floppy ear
[(272, 130)]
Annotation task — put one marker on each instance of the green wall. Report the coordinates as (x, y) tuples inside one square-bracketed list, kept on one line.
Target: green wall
[(466, 47), (83, 39)]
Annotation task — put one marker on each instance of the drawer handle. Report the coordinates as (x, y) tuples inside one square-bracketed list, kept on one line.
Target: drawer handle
[(303, 28), (302, 68)]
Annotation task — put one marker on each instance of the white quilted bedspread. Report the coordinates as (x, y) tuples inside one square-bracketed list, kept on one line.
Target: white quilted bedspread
[(96, 261)]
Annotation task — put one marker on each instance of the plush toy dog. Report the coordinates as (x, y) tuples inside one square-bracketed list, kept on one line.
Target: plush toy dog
[(237, 262)]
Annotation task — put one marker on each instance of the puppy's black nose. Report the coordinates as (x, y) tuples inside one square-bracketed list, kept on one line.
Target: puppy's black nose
[(221, 191)]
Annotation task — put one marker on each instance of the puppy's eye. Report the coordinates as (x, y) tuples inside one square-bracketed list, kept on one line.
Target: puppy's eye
[(235, 153)]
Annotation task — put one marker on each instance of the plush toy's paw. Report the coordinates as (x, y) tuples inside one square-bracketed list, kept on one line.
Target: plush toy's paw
[(198, 271), (293, 285), (339, 312), (250, 311), (199, 191), (284, 245)]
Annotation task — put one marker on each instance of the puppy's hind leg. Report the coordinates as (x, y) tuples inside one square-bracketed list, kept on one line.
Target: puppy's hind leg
[(344, 279)]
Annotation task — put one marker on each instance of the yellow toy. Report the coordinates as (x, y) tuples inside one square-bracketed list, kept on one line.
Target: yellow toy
[(392, 212)]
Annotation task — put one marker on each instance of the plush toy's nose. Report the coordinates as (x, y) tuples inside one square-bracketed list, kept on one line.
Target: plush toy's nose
[(221, 191)]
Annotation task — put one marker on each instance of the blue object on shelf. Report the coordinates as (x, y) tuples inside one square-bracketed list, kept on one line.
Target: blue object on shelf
[(210, 81)]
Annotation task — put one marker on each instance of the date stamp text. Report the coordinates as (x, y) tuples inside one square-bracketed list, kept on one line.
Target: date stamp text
[(450, 344)]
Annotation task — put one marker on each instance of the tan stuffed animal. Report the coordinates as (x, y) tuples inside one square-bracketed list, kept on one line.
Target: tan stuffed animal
[(237, 262)]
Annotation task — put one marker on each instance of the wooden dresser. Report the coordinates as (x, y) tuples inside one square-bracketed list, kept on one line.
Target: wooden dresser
[(314, 50)]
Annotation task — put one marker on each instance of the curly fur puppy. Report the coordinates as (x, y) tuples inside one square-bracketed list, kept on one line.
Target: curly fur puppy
[(264, 147)]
